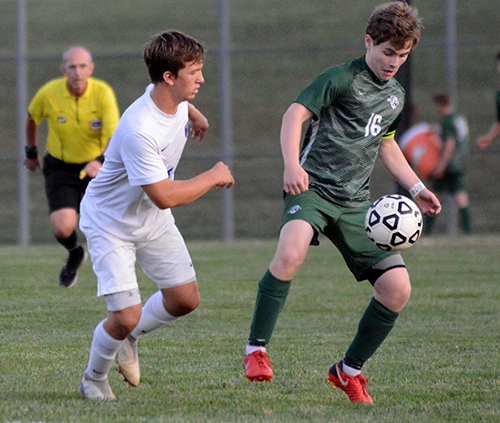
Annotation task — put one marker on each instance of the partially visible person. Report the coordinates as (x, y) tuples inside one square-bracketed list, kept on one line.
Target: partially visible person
[(449, 174), (82, 113), (420, 145), (127, 217), (486, 139)]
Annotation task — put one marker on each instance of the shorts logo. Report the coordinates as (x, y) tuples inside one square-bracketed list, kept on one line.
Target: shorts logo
[(393, 100), (96, 124), (186, 130), (294, 209), (61, 120)]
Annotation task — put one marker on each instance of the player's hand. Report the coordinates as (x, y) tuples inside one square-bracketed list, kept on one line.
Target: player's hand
[(92, 168), (483, 142), (428, 203), (295, 180), (223, 176), (32, 164), (199, 127)]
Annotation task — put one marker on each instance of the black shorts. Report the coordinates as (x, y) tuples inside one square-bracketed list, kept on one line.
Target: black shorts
[(63, 186)]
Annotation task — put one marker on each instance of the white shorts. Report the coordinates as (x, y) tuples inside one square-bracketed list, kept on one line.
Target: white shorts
[(165, 260)]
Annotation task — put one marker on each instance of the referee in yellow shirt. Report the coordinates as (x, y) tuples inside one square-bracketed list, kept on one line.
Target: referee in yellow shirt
[(82, 113)]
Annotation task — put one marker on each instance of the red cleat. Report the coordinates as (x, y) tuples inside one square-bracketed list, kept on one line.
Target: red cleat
[(353, 386), (258, 367)]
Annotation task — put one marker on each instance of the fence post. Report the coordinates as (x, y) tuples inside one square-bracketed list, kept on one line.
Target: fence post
[(226, 119), (21, 87)]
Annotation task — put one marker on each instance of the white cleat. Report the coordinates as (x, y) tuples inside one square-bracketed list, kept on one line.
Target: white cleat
[(96, 389), (128, 362)]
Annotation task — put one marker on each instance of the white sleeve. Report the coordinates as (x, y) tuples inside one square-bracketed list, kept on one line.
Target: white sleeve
[(142, 160)]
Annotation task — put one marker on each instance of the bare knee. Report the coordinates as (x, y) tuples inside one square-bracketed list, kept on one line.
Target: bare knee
[(183, 307), (120, 324), (63, 222), (286, 263), (393, 289), (181, 300)]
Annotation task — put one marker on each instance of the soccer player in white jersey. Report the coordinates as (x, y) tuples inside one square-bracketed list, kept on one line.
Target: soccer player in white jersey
[(126, 214)]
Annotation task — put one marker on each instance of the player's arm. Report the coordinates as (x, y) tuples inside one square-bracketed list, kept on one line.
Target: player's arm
[(295, 178), (199, 123), (168, 194), (32, 162), (448, 150), (394, 161), (485, 140)]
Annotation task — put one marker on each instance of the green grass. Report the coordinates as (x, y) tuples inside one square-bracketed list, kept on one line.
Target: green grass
[(440, 364)]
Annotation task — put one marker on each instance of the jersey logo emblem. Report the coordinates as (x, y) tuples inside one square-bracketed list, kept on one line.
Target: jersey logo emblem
[(61, 120), (393, 100), (186, 130), (294, 209), (96, 124)]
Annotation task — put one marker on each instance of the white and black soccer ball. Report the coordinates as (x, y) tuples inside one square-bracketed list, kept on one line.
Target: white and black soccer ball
[(394, 223)]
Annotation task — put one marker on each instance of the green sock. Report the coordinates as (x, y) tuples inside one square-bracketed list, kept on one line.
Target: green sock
[(465, 220), (271, 298), (376, 323)]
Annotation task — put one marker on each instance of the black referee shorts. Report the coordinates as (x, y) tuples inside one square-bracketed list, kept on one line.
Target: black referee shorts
[(63, 186)]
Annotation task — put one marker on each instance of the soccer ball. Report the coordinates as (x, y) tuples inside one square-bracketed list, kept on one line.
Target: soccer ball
[(393, 223)]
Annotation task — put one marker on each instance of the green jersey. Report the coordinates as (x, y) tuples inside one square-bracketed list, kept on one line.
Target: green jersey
[(353, 110), (455, 127)]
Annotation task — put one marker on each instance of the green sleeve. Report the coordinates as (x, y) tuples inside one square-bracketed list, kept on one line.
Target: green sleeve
[(325, 89)]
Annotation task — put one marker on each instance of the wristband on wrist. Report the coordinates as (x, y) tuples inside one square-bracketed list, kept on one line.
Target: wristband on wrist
[(417, 189), (31, 152), (100, 158)]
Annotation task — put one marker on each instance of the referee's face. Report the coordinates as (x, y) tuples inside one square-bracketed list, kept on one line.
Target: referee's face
[(77, 69)]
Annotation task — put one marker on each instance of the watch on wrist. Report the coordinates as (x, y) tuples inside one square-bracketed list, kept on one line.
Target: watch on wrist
[(31, 152)]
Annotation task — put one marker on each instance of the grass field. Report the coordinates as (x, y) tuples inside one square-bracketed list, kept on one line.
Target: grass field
[(440, 364)]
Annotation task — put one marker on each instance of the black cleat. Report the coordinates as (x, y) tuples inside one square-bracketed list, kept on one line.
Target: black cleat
[(69, 273)]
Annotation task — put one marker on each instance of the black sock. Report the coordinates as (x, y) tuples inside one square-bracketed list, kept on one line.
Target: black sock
[(69, 243)]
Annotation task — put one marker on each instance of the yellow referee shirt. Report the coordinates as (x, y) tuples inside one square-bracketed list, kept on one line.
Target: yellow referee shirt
[(78, 128)]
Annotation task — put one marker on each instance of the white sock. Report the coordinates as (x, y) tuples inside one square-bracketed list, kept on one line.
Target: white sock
[(153, 316), (102, 353), (252, 348), (350, 371)]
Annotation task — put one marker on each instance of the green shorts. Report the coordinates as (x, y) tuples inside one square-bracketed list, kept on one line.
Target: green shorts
[(450, 182), (345, 227)]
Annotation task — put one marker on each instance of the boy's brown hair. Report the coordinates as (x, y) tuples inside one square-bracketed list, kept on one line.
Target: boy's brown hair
[(170, 51), (396, 22), (442, 99)]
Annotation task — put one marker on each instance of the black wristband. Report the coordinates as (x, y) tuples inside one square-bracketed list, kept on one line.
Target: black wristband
[(100, 158), (31, 152)]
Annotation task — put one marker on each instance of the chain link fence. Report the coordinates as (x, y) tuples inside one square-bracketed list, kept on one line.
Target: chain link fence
[(277, 48)]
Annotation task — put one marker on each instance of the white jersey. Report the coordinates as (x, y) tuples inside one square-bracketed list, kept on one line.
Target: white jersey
[(145, 148)]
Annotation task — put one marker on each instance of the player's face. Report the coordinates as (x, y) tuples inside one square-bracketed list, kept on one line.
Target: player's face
[(188, 81), (77, 69), (384, 59)]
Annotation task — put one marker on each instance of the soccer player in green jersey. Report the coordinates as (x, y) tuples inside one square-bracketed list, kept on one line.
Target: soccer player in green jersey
[(353, 110), (449, 175), (485, 140)]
